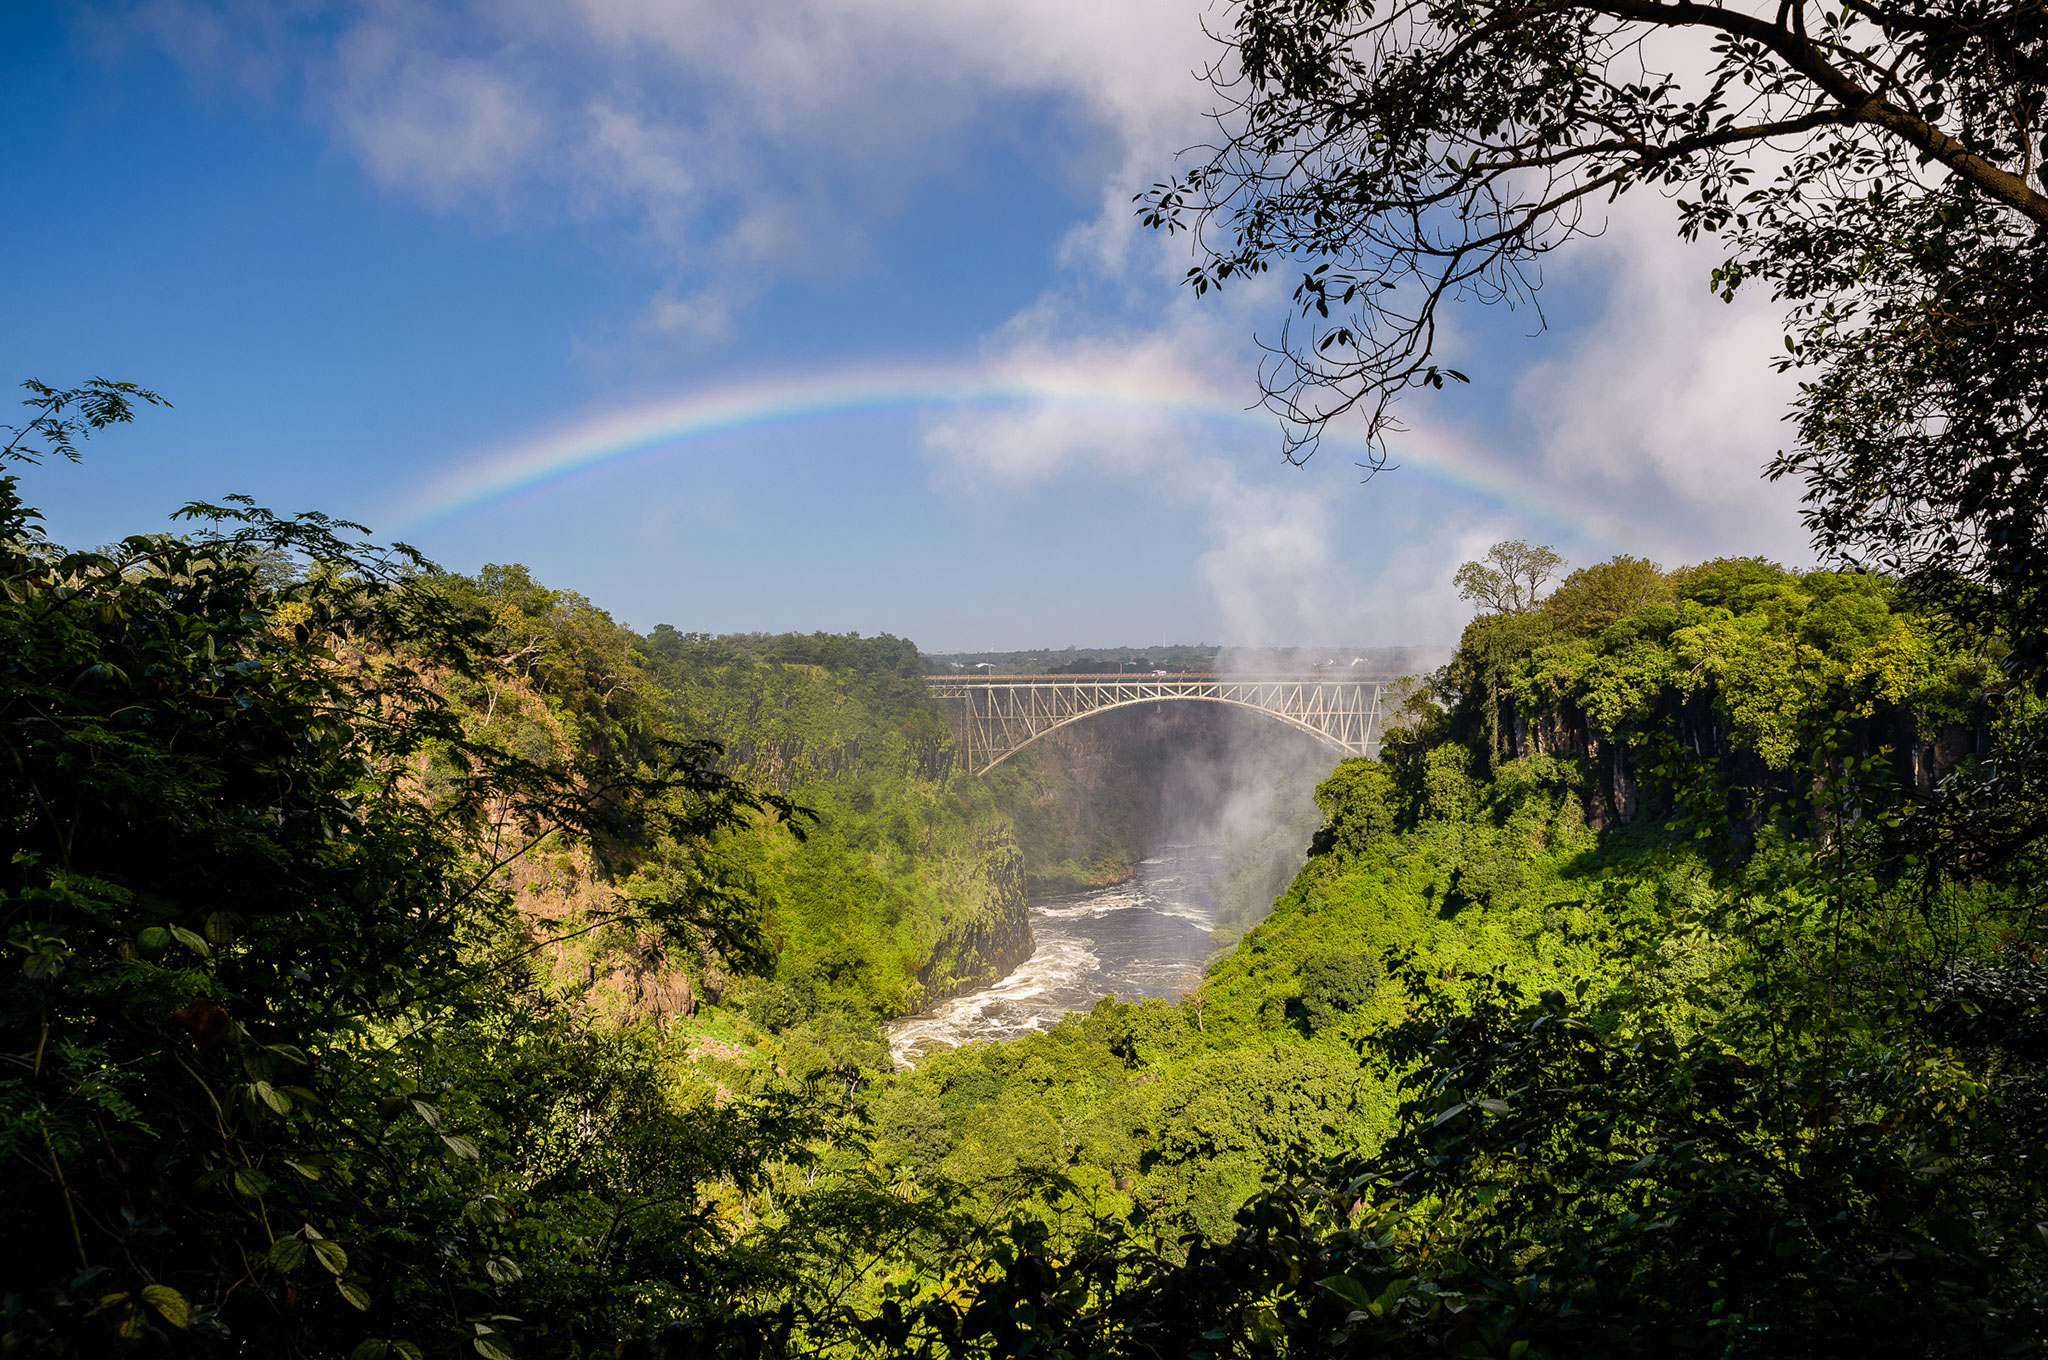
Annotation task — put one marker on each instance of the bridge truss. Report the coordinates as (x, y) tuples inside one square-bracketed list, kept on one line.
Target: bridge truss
[(995, 716)]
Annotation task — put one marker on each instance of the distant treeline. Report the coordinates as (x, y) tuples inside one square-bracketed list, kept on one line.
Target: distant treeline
[(1201, 657), (882, 654)]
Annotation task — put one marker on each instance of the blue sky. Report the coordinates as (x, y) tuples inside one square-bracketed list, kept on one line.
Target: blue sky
[(370, 249)]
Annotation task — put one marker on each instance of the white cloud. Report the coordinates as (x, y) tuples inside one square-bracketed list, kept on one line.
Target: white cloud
[(441, 127), (1642, 428), (1269, 564), (1664, 408), (650, 163), (1287, 555), (742, 138)]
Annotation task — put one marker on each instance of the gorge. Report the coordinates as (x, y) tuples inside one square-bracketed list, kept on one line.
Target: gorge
[(643, 980)]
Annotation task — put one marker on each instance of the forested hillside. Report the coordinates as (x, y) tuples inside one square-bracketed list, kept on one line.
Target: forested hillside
[(1746, 1070), (1472, 862), (414, 966), (415, 963), (909, 884), (405, 960)]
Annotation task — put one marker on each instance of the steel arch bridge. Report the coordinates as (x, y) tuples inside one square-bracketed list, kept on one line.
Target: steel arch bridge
[(996, 716)]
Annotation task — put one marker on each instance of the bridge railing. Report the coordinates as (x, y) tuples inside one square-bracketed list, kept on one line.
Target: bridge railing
[(1327, 678)]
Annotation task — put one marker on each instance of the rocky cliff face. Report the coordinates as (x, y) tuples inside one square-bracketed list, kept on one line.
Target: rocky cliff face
[(1088, 799), (624, 975), (989, 938), (1093, 799)]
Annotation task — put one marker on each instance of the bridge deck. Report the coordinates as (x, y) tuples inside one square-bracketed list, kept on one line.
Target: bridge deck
[(1039, 677)]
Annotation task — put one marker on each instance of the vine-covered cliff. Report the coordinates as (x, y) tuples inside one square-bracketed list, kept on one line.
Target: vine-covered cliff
[(908, 885)]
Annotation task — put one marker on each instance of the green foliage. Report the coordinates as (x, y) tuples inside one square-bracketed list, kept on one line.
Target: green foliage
[(777, 1004), (1876, 168), (1359, 802), (1509, 578), (1593, 598), (288, 1062), (266, 1087), (1751, 1109), (1448, 789), (1333, 984), (909, 884), (872, 658), (1781, 1110), (1732, 583), (1712, 694), (1633, 1095)]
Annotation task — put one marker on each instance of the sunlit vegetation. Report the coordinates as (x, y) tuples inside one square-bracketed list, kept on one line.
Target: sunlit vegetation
[(1750, 1071), (909, 883), (408, 963), (401, 963)]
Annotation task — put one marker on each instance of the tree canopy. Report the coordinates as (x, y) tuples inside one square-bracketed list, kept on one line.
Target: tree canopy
[(1877, 165), (1509, 579), (1688, 933), (259, 947), (1668, 989)]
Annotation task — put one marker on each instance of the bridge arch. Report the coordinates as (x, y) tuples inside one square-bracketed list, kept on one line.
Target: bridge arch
[(1297, 724), (995, 716)]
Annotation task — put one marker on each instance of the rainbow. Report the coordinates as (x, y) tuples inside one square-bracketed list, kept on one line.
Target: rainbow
[(672, 425)]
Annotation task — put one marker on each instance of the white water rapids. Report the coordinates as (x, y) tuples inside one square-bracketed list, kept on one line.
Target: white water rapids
[(1144, 938)]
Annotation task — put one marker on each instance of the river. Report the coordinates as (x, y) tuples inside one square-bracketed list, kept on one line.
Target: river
[(1144, 938)]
